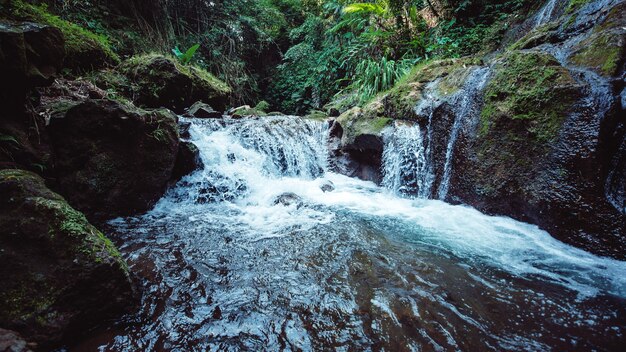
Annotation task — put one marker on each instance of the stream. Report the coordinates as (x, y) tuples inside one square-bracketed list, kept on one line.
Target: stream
[(265, 249)]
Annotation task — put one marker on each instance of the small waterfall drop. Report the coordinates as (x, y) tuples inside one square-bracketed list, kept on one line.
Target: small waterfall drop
[(467, 104), (243, 154), (545, 13), (408, 168)]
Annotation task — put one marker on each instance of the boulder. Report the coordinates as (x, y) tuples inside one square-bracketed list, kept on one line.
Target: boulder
[(202, 111), (327, 186), (60, 275), (540, 154), (113, 159), (288, 199), (158, 81), (187, 161), (30, 55)]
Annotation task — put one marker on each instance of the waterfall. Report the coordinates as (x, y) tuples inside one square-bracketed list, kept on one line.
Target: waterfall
[(240, 154), (545, 13), (408, 168), (467, 104)]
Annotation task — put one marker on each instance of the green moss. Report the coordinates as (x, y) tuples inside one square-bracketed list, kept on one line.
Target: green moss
[(531, 87), (317, 115), (71, 225), (538, 36), (78, 41), (602, 53), (574, 5)]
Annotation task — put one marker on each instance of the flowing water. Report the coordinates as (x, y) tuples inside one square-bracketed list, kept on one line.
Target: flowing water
[(226, 267)]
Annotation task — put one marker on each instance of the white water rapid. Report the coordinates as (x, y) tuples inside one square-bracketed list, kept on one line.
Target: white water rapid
[(225, 266)]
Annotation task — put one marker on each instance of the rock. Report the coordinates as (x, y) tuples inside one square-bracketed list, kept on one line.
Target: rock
[(11, 341), (202, 111), (540, 155), (333, 112), (244, 111), (327, 186), (183, 129), (113, 159), (60, 275), (84, 49), (30, 55), (187, 161), (288, 199), (157, 81)]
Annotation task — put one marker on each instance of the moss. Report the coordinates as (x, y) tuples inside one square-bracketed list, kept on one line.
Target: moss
[(79, 42), (540, 35), (69, 223), (400, 101), (531, 87), (574, 5), (317, 115), (602, 52)]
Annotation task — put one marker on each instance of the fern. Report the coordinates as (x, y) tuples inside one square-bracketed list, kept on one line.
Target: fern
[(185, 58)]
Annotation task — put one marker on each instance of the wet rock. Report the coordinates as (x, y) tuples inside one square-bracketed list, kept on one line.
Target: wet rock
[(61, 276), (288, 199), (113, 159), (156, 81), (187, 161), (202, 111), (183, 129), (11, 341), (327, 186), (244, 111), (541, 155), (30, 55)]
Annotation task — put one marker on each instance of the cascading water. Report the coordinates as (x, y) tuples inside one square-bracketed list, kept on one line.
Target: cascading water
[(407, 157), (467, 103), (407, 168), (226, 267), (545, 13)]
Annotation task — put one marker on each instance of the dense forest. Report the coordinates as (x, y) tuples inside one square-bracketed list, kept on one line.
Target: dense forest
[(297, 56), (312, 175)]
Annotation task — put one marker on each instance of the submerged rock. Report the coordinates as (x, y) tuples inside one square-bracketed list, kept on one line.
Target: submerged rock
[(288, 199), (113, 159), (327, 186), (60, 275)]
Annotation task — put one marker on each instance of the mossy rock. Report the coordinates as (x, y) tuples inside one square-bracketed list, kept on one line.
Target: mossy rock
[(605, 50), (160, 81), (401, 100), (113, 159), (531, 87), (84, 49), (61, 276)]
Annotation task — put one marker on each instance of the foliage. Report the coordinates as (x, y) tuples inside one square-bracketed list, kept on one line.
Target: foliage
[(185, 58)]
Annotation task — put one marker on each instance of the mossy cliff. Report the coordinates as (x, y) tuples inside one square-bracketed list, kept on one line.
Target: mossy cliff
[(61, 276)]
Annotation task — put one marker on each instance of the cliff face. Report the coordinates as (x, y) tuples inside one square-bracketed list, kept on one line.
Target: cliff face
[(541, 139)]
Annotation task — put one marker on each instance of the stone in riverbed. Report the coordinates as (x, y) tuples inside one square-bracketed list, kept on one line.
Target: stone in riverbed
[(202, 111), (113, 159), (60, 275), (288, 199)]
